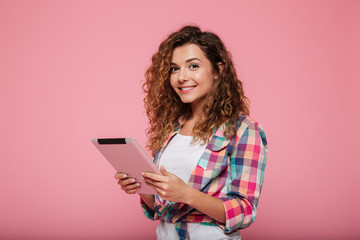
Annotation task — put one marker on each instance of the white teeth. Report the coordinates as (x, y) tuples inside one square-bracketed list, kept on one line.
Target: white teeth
[(186, 88)]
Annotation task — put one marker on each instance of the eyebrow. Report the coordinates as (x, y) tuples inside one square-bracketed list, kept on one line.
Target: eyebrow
[(189, 60)]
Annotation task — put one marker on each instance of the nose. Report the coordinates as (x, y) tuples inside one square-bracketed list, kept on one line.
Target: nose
[(183, 75)]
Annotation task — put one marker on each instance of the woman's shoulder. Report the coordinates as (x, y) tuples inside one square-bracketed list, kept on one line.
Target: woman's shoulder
[(245, 121), (251, 127)]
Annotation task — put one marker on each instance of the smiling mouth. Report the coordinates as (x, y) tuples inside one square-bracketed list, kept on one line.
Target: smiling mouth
[(187, 88)]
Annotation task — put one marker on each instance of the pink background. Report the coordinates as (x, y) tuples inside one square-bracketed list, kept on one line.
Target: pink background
[(72, 70)]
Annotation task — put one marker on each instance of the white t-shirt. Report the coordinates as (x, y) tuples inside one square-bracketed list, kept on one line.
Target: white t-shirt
[(180, 157)]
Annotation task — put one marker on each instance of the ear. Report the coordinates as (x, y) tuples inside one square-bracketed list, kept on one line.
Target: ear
[(221, 67)]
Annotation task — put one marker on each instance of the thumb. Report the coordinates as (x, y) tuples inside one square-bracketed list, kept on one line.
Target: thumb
[(163, 171)]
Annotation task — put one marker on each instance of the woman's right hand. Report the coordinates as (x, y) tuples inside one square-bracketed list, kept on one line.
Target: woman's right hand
[(128, 184)]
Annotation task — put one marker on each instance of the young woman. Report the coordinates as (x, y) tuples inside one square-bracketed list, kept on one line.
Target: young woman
[(210, 152)]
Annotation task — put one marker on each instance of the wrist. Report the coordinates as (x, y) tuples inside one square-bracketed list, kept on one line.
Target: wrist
[(148, 199)]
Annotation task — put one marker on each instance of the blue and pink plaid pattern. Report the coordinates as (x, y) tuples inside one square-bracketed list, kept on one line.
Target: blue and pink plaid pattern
[(229, 169)]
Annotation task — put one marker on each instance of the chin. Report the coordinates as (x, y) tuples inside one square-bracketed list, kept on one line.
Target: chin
[(186, 100)]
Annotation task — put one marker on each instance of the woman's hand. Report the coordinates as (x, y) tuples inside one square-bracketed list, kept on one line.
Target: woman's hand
[(168, 186), (171, 188), (129, 185)]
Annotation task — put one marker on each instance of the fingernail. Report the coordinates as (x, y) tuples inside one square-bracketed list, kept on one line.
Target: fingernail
[(124, 175), (137, 184), (142, 173), (132, 180)]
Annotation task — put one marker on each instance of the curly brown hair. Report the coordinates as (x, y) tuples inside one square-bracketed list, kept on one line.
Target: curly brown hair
[(163, 106)]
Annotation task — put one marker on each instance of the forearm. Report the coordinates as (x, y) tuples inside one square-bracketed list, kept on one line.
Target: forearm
[(209, 205), (149, 200)]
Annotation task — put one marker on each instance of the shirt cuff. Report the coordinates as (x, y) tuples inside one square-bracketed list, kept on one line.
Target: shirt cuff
[(238, 213)]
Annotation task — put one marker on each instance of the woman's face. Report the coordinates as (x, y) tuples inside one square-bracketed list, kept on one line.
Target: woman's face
[(191, 74)]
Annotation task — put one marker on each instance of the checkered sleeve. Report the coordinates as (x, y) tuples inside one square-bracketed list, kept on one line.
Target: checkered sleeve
[(245, 176), (163, 209)]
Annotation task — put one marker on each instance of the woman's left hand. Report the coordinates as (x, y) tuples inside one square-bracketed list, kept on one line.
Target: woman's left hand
[(168, 186)]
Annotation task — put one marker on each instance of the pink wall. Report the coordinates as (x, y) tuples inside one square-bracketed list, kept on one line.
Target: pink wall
[(72, 70)]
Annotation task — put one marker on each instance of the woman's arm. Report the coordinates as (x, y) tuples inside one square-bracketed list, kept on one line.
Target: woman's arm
[(148, 200), (209, 205), (172, 188)]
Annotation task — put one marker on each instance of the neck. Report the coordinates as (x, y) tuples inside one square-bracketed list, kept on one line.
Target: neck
[(196, 111)]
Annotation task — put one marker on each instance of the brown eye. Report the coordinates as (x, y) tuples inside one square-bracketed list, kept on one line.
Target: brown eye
[(193, 66), (173, 69)]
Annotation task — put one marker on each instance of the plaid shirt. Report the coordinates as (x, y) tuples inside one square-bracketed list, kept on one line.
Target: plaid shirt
[(229, 169)]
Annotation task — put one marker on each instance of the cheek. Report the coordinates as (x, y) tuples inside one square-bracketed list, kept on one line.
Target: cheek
[(204, 77), (209, 80), (172, 83)]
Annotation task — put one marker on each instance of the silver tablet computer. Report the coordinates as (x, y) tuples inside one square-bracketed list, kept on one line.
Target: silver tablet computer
[(126, 155)]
